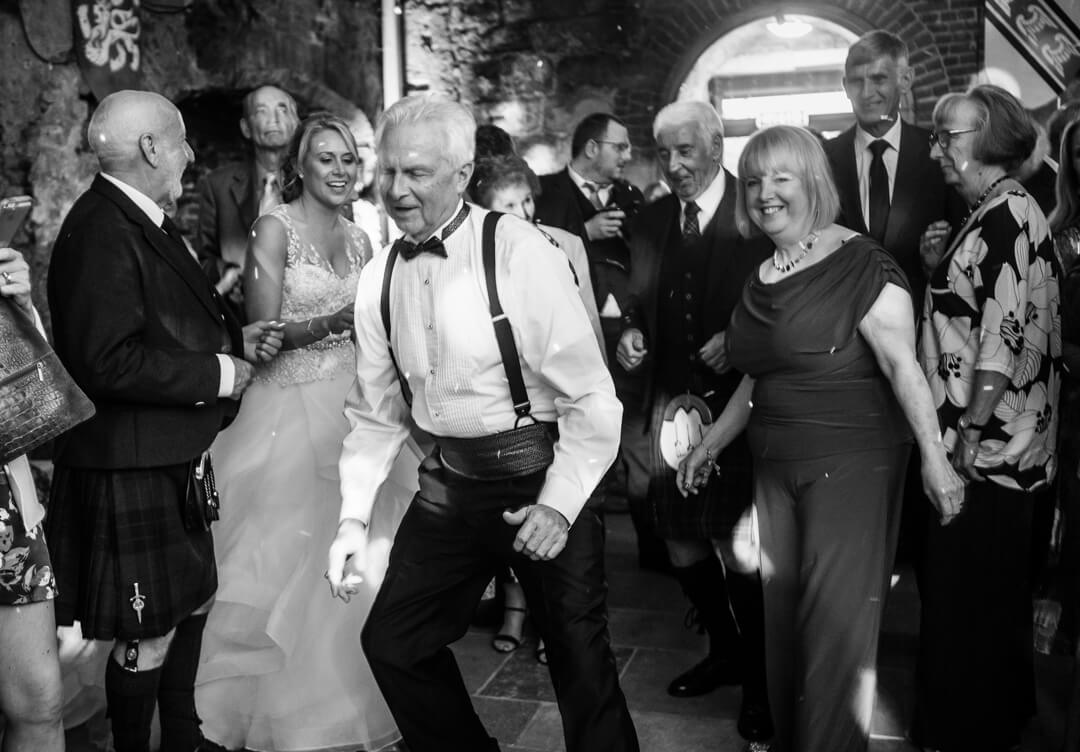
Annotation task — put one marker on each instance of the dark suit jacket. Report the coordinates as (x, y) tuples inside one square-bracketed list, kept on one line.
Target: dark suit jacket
[(562, 204), (228, 207), (919, 197), (138, 325), (732, 259)]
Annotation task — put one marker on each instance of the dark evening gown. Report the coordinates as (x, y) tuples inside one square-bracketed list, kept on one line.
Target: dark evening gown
[(830, 446)]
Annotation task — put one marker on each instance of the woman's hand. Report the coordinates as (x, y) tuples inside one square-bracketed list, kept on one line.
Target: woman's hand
[(932, 244), (15, 279), (341, 320), (965, 452), (943, 485), (694, 471)]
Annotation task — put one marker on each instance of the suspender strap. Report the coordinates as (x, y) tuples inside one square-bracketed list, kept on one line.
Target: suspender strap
[(384, 309), (504, 335)]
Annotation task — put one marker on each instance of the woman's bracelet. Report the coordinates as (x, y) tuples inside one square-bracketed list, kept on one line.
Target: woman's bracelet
[(313, 334)]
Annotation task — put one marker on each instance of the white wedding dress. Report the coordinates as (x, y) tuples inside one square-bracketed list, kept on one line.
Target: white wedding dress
[(282, 667)]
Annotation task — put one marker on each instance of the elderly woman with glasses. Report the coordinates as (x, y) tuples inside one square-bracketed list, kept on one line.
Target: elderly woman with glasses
[(832, 398), (991, 350)]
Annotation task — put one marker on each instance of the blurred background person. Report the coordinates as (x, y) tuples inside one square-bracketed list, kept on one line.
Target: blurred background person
[(591, 199), (283, 667), (233, 196), (833, 392), (991, 350), (31, 691)]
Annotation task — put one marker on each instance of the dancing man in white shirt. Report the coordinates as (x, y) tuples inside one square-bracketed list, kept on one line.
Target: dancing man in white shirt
[(486, 498)]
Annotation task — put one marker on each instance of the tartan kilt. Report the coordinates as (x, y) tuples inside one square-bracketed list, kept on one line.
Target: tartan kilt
[(112, 530), (714, 511)]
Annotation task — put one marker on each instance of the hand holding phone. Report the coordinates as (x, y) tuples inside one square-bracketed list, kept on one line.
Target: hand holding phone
[(13, 212)]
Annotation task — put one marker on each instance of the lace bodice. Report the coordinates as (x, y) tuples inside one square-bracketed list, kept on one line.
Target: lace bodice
[(311, 287)]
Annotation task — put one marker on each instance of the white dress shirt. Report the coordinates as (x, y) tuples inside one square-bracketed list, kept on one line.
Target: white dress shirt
[(604, 192), (157, 216), (445, 345), (708, 202), (863, 158)]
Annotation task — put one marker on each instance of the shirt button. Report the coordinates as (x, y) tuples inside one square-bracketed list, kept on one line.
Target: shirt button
[(689, 317), (427, 281), (430, 326), (432, 371), (689, 296), (436, 413)]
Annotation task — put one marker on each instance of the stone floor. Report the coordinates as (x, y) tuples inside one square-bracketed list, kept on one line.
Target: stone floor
[(513, 694)]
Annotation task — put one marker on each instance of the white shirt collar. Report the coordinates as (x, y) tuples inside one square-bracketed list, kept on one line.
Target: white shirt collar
[(140, 199), (709, 201), (863, 139)]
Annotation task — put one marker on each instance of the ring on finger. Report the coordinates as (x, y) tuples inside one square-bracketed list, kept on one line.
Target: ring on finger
[(7, 277)]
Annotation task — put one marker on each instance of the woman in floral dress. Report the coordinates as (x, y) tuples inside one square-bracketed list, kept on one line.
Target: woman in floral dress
[(991, 350)]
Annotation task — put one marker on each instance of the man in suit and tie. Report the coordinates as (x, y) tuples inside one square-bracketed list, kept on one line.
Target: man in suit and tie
[(891, 190), (150, 341), (590, 199), (232, 197), (689, 266)]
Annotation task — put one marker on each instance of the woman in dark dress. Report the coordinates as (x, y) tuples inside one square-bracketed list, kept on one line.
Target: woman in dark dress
[(824, 333), (991, 349)]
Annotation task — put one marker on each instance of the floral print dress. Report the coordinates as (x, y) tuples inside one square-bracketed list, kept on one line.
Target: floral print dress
[(992, 305)]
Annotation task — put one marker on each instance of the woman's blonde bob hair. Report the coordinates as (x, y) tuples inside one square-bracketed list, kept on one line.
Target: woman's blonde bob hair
[(788, 148)]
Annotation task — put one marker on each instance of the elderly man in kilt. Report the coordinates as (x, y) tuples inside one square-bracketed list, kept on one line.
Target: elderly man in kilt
[(145, 335), (689, 267)]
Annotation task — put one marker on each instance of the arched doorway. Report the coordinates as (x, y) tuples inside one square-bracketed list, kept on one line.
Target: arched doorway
[(781, 68)]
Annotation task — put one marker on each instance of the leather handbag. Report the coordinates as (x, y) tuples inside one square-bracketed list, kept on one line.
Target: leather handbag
[(38, 398)]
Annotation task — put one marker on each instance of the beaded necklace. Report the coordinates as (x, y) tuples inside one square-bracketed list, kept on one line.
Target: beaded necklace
[(806, 244), (982, 199)]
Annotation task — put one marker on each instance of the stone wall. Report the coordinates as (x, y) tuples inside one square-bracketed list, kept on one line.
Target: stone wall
[(204, 57)]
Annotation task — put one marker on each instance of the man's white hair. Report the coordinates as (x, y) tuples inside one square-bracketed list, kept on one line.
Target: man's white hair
[(442, 115), (701, 115)]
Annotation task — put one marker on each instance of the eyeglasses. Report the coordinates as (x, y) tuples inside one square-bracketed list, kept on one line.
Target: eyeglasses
[(944, 138), (620, 146)]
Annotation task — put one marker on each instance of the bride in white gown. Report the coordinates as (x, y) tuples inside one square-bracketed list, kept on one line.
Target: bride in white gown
[(282, 665)]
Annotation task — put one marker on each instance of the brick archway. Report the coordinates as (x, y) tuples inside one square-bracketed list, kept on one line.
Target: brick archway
[(675, 33)]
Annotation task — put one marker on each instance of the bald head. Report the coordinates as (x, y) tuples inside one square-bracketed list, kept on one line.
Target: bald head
[(139, 137)]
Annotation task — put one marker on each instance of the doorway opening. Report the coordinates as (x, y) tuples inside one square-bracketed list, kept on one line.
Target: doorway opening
[(780, 69)]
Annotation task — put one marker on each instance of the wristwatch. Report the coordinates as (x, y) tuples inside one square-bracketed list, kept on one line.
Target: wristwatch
[(965, 423)]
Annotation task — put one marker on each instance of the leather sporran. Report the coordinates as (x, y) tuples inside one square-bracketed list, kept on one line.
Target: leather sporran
[(38, 398)]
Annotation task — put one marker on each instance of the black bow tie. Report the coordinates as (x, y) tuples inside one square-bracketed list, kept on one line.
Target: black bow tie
[(409, 250)]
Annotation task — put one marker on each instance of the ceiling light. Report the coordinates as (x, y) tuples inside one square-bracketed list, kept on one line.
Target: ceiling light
[(787, 28)]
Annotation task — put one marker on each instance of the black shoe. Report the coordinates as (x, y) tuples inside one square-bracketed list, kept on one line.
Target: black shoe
[(209, 746), (755, 722), (705, 677)]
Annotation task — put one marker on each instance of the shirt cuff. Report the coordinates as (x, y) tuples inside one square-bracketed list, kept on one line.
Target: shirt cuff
[(563, 496), (228, 376)]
